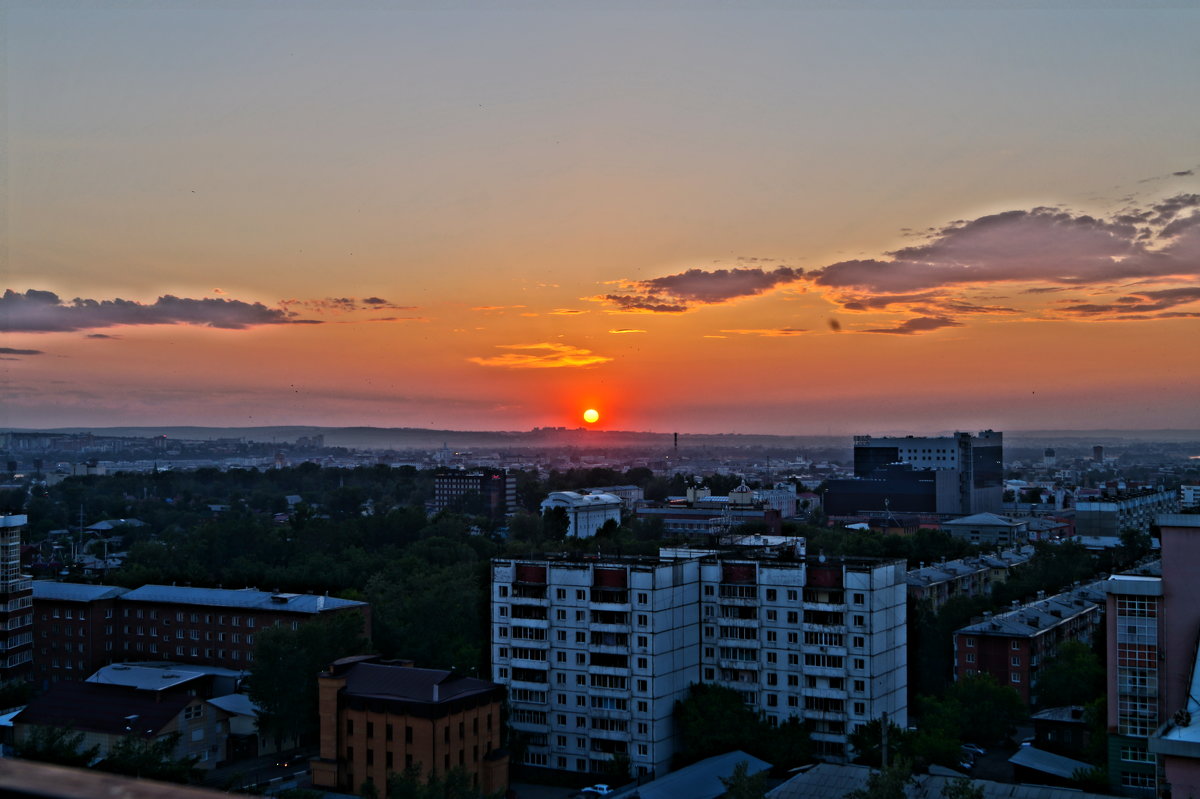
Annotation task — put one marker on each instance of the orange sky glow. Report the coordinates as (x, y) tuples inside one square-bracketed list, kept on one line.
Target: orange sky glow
[(475, 218)]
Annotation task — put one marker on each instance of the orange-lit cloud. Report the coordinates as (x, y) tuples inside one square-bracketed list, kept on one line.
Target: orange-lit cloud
[(770, 332), (35, 311), (920, 324), (681, 292), (1046, 245), (344, 305), (566, 312), (541, 356), (627, 330)]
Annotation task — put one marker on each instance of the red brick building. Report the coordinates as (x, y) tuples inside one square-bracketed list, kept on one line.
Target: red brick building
[(73, 630), (201, 626), (1012, 646), (380, 717)]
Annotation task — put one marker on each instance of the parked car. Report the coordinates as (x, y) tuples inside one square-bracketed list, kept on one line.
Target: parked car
[(596, 790), (1028, 741), (974, 749)]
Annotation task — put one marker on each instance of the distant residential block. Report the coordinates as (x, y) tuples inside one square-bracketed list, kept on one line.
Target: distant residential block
[(495, 489), (586, 513), (1114, 512), (1012, 646)]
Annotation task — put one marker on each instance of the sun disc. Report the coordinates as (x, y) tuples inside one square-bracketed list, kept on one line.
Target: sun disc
[(591, 415)]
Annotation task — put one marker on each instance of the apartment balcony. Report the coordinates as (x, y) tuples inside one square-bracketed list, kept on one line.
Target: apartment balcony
[(809, 627), (609, 649), (737, 665), (825, 671), (734, 621), (826, 715), (826, 693), (530, 726), (538, 624), (538, 601), (738, 601), (608, 713), (618, 607), (831, 607), (525, 663), (597, 627), (609, 735), (611, 671), (744, 643)]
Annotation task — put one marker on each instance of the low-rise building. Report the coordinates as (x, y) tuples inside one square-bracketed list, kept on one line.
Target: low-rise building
[(1012, 646), (380, 717), (989, 530), (148, 703), (586, 513)]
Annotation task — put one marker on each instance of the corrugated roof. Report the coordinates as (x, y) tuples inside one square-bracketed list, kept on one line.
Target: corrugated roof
[(700, 780), (236, 704), (827, 780), (74, 592), (1031, 757), (245, 598), (146, 678)]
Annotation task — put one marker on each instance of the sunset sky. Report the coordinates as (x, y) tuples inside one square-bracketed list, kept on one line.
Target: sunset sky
[(705, 217)]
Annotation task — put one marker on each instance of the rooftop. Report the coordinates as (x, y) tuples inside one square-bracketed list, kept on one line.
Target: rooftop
[(114, 709), (74, 592), (378, 679), (244, 598), (144, 678)]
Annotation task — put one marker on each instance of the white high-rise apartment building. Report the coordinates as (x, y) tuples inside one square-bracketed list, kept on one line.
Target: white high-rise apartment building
[(821, 640), (595, 651)]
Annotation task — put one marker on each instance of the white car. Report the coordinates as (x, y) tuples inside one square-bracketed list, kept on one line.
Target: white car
[(974, 749), (596, 790)]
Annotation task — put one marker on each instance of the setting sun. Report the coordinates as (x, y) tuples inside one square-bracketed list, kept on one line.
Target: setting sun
[(591, 416)]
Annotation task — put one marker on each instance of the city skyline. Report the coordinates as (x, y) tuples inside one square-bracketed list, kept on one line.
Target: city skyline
[(758, 220)]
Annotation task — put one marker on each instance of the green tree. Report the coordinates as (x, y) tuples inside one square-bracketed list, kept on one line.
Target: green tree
[(283, 676), (741, 784), (713, 720), (888, 783), (1073, 676), (135, 756), (976, 709), (56, 745), (962, 789)]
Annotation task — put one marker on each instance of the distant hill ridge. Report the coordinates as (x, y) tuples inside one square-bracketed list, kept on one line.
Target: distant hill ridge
[(424, 438)]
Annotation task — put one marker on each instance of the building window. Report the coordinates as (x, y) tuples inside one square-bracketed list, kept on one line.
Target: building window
[(860, 621), (859, 599), (1014, 677), (971, 657), (971, 642), (770, 594), (1016, 661), (1015, 646)]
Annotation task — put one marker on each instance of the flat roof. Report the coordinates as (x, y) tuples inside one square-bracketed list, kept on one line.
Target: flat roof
[(243, 598), (74, 592), (143, 678)]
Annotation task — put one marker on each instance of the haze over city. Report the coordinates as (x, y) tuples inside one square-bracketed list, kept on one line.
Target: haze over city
[(714, 218)]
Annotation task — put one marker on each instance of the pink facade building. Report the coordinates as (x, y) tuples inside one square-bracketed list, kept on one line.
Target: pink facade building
[(1176, 742)]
